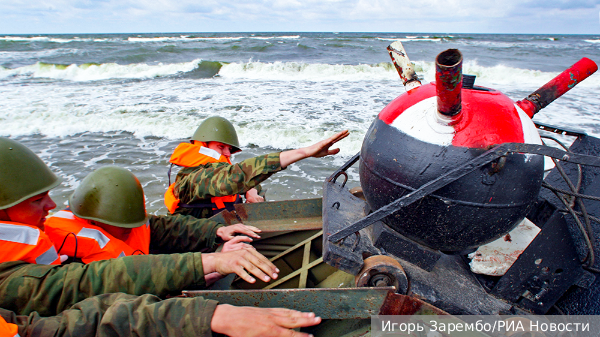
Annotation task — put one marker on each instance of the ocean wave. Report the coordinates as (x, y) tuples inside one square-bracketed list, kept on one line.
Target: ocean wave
[(501, 75), (412, 39), (592, 41), (307, 72), (184, 38), (188, 38), (105, 71), (276, 71), (48, 39), (274, 37), (292, 71)]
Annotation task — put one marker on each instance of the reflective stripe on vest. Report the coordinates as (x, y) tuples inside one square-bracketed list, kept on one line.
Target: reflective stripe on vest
[(8, 329), (21, 242), (19, 234), (48, 256), (95, 235), (191, 155), (91, 243)]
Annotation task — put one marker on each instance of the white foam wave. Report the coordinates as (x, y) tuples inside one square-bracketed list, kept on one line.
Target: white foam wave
[(307, 72), (411, 38), (95, 72), (187, 38), (292, 71), (287, 71), (501, 75), (592, 41), (47, 39), (274, 37), (184, 38)]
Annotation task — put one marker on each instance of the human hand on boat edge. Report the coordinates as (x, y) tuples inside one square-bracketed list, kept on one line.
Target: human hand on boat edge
[(244, 262), (264, 322), (227, 233), (318, 150)]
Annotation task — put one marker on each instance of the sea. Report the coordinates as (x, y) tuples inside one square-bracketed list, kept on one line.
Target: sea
[(82, 102)]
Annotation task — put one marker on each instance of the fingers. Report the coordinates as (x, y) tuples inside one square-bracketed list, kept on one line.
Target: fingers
[(339, 136), (227, 232), (246, 262), (247, 230), (259, 266), (291, 319), (333, 151), (263, 322), (238, 239), (236, 243), (322, 148)]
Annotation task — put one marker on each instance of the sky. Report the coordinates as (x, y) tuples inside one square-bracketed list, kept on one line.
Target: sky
[(427, 16)]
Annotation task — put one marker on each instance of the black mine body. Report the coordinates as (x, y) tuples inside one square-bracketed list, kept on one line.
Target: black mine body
[(473, 210)]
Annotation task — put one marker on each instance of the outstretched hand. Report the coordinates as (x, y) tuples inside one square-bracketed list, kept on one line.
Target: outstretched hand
[(318, 150), (265, 322), (322, 148)]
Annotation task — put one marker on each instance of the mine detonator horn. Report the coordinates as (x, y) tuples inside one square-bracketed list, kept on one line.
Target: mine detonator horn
[(562, 83), (403, 66), (448, 81)]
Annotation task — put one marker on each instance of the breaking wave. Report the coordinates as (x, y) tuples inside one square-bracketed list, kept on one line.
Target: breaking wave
[(97, 72), (274, 71)]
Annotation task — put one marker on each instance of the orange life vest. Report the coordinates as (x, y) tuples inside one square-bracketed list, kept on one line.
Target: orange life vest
[(21, 242), (76, 237), (8, 329), (190, 155)]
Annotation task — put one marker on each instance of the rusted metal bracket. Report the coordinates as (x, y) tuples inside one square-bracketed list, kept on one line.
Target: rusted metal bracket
[(558, 130), (276, 216), (342, 170), (327, 303)]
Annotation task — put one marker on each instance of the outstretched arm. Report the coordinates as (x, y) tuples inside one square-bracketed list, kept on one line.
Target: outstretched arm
[(318, 150), (120, 314)]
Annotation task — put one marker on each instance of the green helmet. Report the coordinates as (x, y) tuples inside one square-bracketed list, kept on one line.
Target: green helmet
[(22, 174), (217, 129), (111, 195)]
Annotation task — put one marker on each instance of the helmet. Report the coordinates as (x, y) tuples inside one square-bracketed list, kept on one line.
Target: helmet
[(111, 195), (217, 129), (22, 174)]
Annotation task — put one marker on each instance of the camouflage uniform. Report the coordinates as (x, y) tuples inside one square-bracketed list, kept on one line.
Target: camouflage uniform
[(121, 315), (25, 288), (181, 234), (197, 184)]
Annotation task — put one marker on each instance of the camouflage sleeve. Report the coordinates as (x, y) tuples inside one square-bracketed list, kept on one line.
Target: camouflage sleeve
[(25, 287), (121, 315), (182, 234), (221, 179)]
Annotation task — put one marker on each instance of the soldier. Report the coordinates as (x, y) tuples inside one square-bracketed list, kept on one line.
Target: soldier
[(50, 289), (107, 219), (24, 204), (208, 182)]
